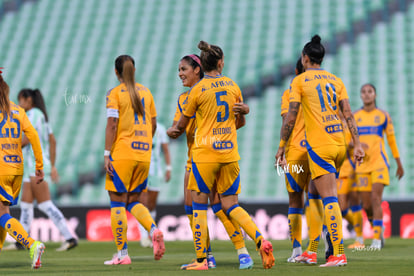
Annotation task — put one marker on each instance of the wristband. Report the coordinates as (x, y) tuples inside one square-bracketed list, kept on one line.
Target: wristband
[(107, 153), (282, 143), (168, 167)]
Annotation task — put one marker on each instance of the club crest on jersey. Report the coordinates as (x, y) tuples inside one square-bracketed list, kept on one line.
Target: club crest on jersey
[(12, 159), (377, 119)]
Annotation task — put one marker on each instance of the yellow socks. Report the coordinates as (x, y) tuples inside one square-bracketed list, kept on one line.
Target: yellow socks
[(348, 215), (295, 226), (377, 227), (357, 212), (16, 230), (189, 213), (200, 229), (3, 234), (333, 220), (141, 213), (245, 221), (119, 224), (231, 226), (316, 214)]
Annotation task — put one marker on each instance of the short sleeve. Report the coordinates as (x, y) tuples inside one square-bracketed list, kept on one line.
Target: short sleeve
[(190, 108), (178, 110), (343, 94), (389, 127), (284, 106), (112, 104), (295, 93), (49, 129)]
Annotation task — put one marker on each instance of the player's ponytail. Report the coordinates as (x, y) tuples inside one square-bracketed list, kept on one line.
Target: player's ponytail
[(314, 50), (39, 102), (210, 55), (4, 97), (125, 65)]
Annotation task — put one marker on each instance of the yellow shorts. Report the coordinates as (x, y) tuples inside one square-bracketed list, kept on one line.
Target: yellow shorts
[(298, 177), (346, 185), (10, 188), (326, 159), (365, 180), (223, 177), (129, 176)]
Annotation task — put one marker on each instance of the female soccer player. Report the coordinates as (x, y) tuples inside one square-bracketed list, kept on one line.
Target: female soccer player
[(190, 72), (296, 183), (320, 93), (215, 155), (373, 174), (130, 127), (32, 102), (13, 121), (156, 177), (348, 197)]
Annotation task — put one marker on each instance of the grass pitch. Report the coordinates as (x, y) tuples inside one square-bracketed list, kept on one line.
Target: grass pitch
[(396, 258)]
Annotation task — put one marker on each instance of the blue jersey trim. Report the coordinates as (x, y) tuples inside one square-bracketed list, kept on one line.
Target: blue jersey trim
[(319, 161), (292, 183)]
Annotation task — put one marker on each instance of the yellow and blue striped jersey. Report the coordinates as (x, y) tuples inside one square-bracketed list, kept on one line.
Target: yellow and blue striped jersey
[(212, 100), (189, 131), (134, 135), (371, 127), (11, 127), (320, 93)]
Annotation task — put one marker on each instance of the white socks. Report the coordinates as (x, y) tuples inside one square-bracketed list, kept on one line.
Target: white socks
[(26, 215), (242, 250), (57, 217)]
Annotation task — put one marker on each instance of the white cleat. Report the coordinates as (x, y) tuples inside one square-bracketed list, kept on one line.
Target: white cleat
[(376, 245)]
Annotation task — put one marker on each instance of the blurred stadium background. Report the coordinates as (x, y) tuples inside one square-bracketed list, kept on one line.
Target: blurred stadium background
[(67, 49)]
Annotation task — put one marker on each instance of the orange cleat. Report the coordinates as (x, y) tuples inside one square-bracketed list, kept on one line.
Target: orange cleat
[(339, 260), (266, 252), (307, 257)]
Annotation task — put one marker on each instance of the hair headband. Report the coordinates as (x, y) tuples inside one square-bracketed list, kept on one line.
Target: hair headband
[(196, 59)]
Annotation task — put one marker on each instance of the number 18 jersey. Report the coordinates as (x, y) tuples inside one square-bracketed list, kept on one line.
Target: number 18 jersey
[(320, 93), (212, 100)]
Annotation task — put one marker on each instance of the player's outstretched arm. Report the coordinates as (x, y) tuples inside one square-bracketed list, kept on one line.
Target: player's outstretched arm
[(352, 126), (175, 131), (287, 126)]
